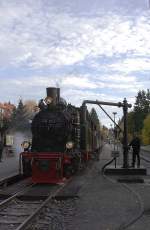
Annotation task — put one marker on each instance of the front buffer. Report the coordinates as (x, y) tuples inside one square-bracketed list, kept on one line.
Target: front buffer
[(45, 167)]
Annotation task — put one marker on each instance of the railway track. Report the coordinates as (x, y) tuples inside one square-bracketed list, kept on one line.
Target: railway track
[(9, 219), (144, 155), (16, 214)]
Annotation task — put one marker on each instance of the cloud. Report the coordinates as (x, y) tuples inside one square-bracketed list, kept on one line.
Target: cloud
[(73, 89), (132, 64), (79, 82), (105, 82), (95, 50), (118, 78), (38, 37), (86, 86)]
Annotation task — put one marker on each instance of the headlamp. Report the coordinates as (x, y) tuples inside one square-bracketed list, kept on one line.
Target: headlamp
[(48, 100), (69, 145), (25, 145)]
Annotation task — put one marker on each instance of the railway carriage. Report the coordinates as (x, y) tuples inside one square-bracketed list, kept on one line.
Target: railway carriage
[(64, 138)]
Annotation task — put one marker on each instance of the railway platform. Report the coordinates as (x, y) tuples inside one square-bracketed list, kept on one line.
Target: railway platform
[(9, 165), (105, 204)]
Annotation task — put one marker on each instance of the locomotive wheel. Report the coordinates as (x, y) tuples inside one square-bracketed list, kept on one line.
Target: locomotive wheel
[(26, 165)]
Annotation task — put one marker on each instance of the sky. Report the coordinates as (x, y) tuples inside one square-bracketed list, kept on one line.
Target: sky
[(95, 50)]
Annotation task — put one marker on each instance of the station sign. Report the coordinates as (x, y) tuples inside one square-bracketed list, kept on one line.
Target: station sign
[(115, 153)]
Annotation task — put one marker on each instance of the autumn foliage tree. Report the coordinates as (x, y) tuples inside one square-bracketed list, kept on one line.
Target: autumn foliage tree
[(137, 118), (5, 117), (141, 109), (30, 108), (22, 115), (146, 131)]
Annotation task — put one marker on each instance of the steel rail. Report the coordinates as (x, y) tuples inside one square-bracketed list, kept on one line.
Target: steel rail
[(145, 159), (29, 220), (6, 201), (142, 156), (7, 180)]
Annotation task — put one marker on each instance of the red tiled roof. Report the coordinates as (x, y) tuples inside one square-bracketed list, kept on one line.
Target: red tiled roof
[(7, 109)]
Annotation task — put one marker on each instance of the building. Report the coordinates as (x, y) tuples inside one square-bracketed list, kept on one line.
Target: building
[(6, 110)]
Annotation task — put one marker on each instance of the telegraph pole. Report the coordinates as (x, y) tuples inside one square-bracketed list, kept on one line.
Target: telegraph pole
[(125, 135), (114, 128)]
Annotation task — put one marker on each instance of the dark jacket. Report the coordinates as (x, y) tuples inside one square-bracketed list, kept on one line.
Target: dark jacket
[(1, 146), (136, 144)]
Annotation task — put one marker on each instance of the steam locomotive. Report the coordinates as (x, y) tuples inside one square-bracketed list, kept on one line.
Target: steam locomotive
[(64, 138)]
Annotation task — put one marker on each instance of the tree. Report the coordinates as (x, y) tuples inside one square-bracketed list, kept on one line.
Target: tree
[(5, 117), (146, 131), (136, 117), (130, 119), (141, 109), (20, 119), (104, 132), (131, 125), (30, 107), (94, 117)]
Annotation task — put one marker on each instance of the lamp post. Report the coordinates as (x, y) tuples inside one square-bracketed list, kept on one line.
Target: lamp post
[(111, 136), (1, 122), (114, 118), (114, 125), (115, 138)]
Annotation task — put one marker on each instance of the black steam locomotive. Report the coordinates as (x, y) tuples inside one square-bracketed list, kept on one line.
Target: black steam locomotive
[(64, 137)]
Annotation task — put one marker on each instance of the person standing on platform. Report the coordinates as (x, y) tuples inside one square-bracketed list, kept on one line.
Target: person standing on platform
[(1, 150), (136, 144), (97, 153)]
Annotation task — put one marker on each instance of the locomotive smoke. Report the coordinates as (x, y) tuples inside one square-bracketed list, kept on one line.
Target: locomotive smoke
[(19, 137)]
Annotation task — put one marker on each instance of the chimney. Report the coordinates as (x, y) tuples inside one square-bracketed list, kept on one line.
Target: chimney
[(54, 93)]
